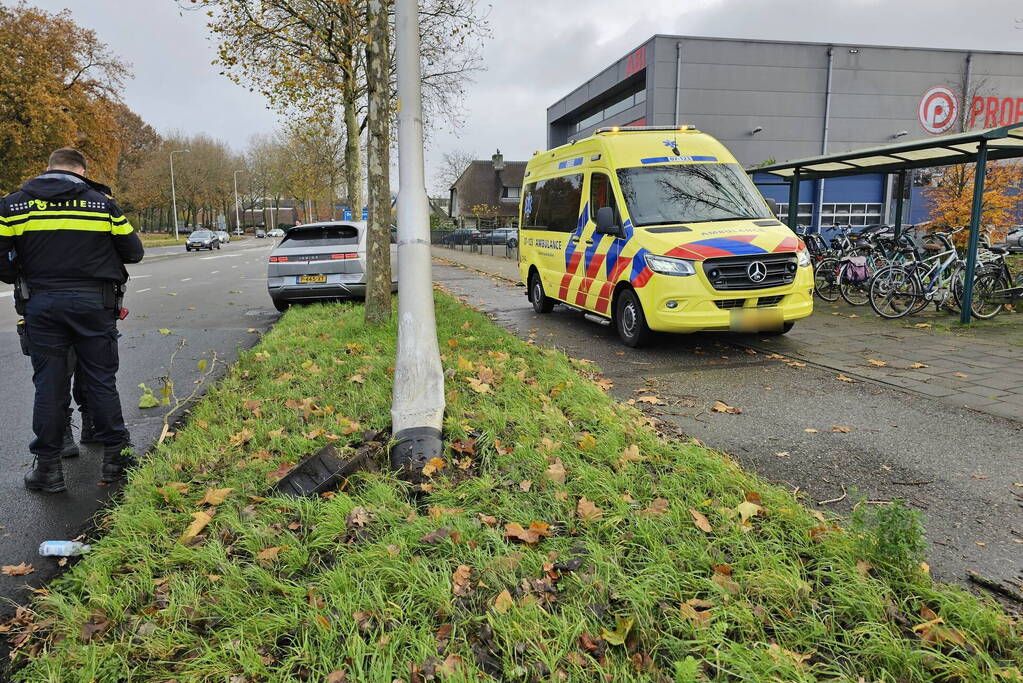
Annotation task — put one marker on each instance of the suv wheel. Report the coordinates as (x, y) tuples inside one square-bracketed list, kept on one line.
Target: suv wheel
[(280, 305), (630, 320), (541, 302)]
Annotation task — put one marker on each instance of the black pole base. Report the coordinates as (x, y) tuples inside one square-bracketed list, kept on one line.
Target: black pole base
[(412, 448)]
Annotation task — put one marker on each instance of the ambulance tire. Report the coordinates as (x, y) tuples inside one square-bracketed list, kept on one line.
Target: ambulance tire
[(777, 333), (541, 302), (630, 320)]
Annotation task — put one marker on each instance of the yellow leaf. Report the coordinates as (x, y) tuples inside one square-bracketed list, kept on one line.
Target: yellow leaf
[(876, 363), (433, 465), (917, 366), (269, 554), (17, 569), (199, 521), (587, 442), (721, 407), (746, 509), (556, 472), (841, 429), (357, 379), (214, 496), (960, 375), (587, 511), (843, 378), (242, 437), (503, 602), (701, 521)]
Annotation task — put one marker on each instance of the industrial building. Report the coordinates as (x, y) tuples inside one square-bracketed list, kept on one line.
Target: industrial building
[(772, 101)]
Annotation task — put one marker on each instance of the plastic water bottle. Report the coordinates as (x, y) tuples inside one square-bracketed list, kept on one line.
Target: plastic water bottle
[(63, 548)]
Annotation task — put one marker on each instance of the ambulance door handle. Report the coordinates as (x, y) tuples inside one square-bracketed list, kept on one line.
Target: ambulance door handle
[(575, 238), (589, 241)]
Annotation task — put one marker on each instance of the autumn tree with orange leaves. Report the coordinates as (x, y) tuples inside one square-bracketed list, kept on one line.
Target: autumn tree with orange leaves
[(58, 84), (952, 199)]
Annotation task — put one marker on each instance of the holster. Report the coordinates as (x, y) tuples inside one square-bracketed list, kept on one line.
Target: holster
[(21, 296), (22, 337)]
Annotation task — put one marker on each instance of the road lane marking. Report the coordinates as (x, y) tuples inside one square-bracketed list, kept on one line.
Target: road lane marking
[(214, 272), (186, 279), (139, 291), (210, 258), (139, 277)]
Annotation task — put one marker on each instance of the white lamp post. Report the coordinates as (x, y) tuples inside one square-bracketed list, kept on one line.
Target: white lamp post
[(174, 196)]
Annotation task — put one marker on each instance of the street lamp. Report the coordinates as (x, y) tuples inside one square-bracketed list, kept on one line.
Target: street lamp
[(237, 219), (174, 196)]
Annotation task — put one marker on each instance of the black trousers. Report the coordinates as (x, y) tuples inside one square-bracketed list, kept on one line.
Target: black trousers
[(55, 322)]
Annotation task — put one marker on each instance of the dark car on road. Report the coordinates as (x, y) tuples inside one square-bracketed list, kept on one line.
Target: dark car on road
[(202, 239), (506, 236), (321, 261), (261, 233), (462, 236)]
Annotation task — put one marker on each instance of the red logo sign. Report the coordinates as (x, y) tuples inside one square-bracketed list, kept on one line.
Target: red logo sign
[(996, 111), (939, 110), (635, 61)]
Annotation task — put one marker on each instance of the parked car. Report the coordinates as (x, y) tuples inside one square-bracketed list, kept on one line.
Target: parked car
[(1014, 240), (238, 232), (506, 236), (261, 233), (276, 232), (202, 239), (224, 236), (462, 236), (321, 261)]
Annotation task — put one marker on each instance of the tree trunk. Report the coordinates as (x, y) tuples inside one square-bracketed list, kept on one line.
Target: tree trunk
[(353, 151), (378, 237)]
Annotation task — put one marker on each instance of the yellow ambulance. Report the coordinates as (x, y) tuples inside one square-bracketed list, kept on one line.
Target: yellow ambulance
[(658, 229)]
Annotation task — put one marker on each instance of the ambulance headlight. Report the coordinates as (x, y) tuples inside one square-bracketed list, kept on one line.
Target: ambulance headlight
[(666, 265), (803, 258)]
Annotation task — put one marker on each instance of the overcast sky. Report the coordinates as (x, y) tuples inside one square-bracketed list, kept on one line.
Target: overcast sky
[(539, 51)]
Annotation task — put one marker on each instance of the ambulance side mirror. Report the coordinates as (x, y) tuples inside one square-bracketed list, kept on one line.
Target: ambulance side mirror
[(773, 206), (605, 221)]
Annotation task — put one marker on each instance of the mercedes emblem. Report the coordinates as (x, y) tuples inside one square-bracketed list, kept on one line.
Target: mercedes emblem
[(756, 271)]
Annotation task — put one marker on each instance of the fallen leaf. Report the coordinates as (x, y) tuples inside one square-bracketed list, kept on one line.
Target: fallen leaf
[(556, 472), (241, 437), (701, 521), (214, 496), (652, 400), (587, 511), (876, 363), (488, 520), (746, 510), (336, 676), (697, 611), (658, 508), (525, 485), (723, 577), (433, 465), (782, 454), (917, 366), (780, 655), (199, 521), (863, 567), (280, 472), (503, 602), (357, 379), (17, 569), (841, 429), (587, 442), (269, 554), (960, 375), (464, 446), (253, 407), (529, 536), (810, 431), (621, 633), (721, 407), (460, 584), (358, 517), (436, 536), (796, 364), (922, 325), (164, 331), (843, 378), (314, 433)]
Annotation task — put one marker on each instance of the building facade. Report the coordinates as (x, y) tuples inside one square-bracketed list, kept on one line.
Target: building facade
[(772, 101), (486, 194)]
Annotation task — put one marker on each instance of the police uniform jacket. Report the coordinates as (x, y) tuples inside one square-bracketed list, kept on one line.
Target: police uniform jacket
[(66, 234)]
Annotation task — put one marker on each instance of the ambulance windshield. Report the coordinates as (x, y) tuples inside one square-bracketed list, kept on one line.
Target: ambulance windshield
[(690, 193)]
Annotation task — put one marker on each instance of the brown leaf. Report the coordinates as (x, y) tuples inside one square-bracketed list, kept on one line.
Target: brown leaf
[(843, 378), (94, 628), (652, 400), (436, 536), (252, 406), (464, 446), (587, 511), (17, 569), (269, 554), (701, 521), (488, 520), (780, 655), (280, 472), (199, 521), (556, 472), (525, 485), (460, 580), (658, 508), (240, 438), (960, 375), (433, 465), (723, 577), (696, 611), (721, 407), (529, 536), (357, 379), (841, 429), (503, 602), (917, 366), (336, 676), (876, 363), (358, 518), (215, 496)]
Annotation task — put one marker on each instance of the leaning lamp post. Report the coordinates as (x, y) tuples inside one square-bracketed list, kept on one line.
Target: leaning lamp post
[(417, 407)]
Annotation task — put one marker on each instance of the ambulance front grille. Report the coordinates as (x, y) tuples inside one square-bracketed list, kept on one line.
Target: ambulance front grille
[(733, 272)]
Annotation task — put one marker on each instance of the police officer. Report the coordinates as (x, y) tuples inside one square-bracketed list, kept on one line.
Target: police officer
[(71, 242)]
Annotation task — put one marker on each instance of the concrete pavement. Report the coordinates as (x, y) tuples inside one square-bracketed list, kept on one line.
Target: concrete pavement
[(960, 467), (216, 301)]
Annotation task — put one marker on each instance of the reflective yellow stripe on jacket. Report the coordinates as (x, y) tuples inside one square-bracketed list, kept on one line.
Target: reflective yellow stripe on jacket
[(43, 221)]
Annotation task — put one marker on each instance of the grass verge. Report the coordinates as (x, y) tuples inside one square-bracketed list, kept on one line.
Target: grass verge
[(561, 538)]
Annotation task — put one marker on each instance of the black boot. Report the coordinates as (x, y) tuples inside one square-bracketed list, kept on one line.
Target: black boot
[(68, 449), (116, 459), (46, 476), (88, 429)]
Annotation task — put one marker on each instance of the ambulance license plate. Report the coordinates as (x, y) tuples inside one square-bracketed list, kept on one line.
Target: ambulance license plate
[(756, 319), (311, 279)]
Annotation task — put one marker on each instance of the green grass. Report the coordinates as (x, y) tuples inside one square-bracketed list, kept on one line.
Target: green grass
[(161, 240), (359, 582)]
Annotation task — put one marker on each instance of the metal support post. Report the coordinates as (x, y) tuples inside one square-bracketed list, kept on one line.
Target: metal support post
[(417, 408), (900, 192), (971, 254), (237, 216), (794, 201), (174, 196)]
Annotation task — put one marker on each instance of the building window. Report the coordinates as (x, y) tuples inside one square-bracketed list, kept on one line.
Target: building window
[(615, 107), (510, 192), (849, 214)]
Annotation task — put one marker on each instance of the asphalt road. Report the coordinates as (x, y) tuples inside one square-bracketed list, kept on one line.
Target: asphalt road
[(961, 468), (216, 301)]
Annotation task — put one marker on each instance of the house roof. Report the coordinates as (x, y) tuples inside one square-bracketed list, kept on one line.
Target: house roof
[(479, 183)]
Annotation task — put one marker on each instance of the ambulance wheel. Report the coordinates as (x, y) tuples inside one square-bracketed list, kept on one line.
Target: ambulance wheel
[(630, 320), (541, 302), (777, 333)]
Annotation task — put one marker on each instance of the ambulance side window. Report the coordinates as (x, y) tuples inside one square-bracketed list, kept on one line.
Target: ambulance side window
[(602, 194), (552, 204)]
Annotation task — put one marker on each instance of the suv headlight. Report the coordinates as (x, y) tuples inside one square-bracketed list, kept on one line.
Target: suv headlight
[(803, 258), (665, 265)]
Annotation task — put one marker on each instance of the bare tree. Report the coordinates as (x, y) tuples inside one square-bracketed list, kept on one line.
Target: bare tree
[(451, 166), (378, 242)]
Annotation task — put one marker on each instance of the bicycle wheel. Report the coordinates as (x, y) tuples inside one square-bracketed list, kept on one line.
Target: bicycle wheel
[(825, 279), (894, 292), (855, 293), (987, 287)]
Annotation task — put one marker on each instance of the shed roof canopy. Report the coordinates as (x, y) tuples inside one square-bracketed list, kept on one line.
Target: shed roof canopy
[(1005, 142)]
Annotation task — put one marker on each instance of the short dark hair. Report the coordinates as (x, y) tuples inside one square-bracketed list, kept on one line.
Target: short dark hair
[(67, 156)]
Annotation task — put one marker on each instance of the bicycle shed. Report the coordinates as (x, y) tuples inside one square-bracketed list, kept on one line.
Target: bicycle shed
[(976, 147)]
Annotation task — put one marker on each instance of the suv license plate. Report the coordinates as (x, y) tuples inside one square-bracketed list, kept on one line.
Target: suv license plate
[(756, 319), (311, 279)]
